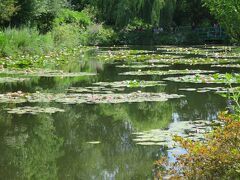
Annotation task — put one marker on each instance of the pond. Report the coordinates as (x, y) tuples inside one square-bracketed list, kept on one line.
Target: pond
[(109, 113)]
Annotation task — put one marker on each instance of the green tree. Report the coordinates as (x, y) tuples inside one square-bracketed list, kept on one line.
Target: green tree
[(121, 12), (228, 15), (40, 13), (189, 11), (7, 8)]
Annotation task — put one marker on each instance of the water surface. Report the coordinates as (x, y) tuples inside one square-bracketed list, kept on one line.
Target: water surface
[(95, 141)]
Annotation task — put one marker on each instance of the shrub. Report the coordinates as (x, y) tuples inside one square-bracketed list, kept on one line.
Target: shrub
[(67, 16), (66, 35), (97, 34)]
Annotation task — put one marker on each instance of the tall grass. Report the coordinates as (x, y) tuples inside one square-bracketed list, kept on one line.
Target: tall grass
[(24, 41)]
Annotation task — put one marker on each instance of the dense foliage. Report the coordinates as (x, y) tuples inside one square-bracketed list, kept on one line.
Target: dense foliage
[(228, 15), (69, 23)]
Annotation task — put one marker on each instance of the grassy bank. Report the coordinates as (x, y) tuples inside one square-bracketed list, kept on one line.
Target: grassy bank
[(69, 29)]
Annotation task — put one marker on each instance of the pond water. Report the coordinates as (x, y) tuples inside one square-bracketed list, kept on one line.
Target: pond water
[(66, 137)]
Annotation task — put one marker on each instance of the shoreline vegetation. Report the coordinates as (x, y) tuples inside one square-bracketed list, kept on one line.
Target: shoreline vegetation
[(38, 34), (34, 27)]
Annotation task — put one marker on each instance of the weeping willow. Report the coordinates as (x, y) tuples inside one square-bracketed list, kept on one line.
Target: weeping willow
[(167, 14), (121, 12)]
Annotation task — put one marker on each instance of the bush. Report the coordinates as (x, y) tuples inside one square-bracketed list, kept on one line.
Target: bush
[(67, 16), (97, 34), (66, 36)]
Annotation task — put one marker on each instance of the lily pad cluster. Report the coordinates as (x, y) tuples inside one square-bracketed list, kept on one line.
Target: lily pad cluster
[(33, 110), (141, 66), (192, 60), (95, 90), (86, 98), (12, 79), (130, 84), (210, 78), (169, 72), (213, 51), (194, 130), (45, 73), (55, 58), (227, 65), (218, 90), (132, 55)]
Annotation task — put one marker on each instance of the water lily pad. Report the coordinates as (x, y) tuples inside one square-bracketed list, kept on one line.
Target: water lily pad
[(12, 80), (132, 55), (194, 130), (227, 65), (45, 73), (94, 90), (188, 89), (140, 66), (210, 78), (33, 110), (130, 83), (93, 142), (116, 98), (86, 98), (169, 72)]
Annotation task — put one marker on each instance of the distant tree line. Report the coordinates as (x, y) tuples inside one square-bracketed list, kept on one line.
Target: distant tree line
[(120, 13)]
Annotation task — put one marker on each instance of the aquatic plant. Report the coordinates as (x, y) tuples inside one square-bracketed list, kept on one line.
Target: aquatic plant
[(33, 110), (169, 72), (130, 83), (194, 130), (210, 78), (74, 98)]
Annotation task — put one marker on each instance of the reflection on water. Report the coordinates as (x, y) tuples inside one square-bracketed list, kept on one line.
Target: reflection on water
[(56, 146)]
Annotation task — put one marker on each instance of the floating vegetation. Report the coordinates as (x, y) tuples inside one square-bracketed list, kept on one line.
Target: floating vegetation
[(210, 78), (132, 55), (169, 72), (214, 89), (45, 73), (55, 58), (131, 84), (227, 66), (194, 130), (12, 80), (94, 90), (192, 61), (141, 66), (86, 98), (214, 51), (116, 98), (33, 110), (93, 142)]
